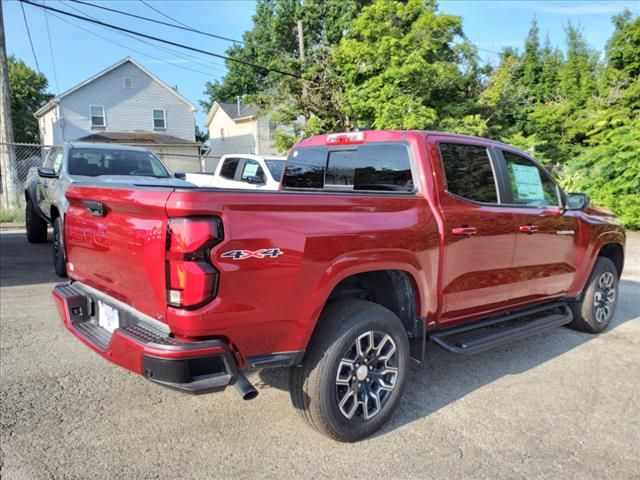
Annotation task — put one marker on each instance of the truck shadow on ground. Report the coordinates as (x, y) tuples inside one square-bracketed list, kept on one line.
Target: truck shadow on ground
[(24, 263), (443, 378)]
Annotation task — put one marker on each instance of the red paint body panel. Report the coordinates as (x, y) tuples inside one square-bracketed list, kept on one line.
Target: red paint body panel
[(125, 352), (271, 304)]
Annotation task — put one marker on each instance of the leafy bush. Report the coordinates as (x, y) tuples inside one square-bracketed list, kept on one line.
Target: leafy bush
[(610, 172)]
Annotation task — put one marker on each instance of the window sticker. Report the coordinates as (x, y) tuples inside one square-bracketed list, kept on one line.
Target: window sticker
[(57, 163), (250, 170), (528, 182)]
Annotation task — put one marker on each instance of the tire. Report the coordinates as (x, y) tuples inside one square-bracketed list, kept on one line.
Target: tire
[(593, 313), (36, 226), (332, 371), (59, 259)]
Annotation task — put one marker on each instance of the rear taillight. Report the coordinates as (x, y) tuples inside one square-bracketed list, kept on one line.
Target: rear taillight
[(192, 281)]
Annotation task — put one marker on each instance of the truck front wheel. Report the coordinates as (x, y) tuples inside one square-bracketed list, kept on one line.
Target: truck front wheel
[(36, 227), (354, 371), (59, 260), (593, 313)]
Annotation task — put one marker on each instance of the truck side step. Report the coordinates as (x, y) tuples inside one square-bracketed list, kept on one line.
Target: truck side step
[(486, 334)]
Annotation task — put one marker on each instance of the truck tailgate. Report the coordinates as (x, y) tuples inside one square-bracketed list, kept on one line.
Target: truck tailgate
[(115, 241)]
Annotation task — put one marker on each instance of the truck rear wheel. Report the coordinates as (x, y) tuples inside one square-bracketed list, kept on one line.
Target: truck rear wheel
[(593, 313), (354, 371), (59, 260), (36, 227)]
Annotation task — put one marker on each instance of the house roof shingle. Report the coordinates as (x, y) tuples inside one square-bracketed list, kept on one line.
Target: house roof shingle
[(134, 137), (231, 109)]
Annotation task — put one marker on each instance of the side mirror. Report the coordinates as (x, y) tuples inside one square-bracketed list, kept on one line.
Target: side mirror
[(255, 180), (577, 201), (180, 175), (47, 172)]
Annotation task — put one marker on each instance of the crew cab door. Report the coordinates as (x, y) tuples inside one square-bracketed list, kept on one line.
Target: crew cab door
[(479, 240), (545, 258), (235, 173)]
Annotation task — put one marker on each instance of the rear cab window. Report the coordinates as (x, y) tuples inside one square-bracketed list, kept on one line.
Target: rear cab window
[(94, 162), (372, 167)]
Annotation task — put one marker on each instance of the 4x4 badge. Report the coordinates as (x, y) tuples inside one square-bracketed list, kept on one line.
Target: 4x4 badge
[(244, 254)]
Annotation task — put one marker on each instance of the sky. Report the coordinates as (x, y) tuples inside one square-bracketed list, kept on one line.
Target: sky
[(69, 51)]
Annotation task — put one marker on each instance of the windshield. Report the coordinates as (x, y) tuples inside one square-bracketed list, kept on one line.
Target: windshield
[(276, 167), (93, 162)]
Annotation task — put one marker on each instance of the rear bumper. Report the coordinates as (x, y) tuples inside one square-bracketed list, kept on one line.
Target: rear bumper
[(144, 346)]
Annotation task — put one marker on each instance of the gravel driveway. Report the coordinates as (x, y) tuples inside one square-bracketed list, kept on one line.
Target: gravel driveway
[(558, 405)]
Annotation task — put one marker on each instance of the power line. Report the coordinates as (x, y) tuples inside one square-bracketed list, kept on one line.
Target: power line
[(33, 50), (184, 56), (168, 42), (53, 62), (126, 47), (160, 22), (165, 15)]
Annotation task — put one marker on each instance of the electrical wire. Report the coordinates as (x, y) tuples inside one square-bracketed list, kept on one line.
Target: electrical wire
[(160, 22), (53, 62), (33, 50), (184, 56), (161, 40), (165, 15), (129, 48)]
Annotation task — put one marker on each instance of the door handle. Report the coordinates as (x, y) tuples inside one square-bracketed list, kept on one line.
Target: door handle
[(95, 208), (464, 231), (528, 229)]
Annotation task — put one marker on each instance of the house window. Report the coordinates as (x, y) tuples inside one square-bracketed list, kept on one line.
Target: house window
[(159, 119), (128, 83), (97, 116)]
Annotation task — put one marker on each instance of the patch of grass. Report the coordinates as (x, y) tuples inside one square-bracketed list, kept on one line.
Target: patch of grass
[(15, 213)]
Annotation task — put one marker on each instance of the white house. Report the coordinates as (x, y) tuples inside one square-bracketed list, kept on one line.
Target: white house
[(237, 128), (126, 104)]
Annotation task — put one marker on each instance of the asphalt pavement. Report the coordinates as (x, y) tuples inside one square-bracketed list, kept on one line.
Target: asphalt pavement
[(558, 405)]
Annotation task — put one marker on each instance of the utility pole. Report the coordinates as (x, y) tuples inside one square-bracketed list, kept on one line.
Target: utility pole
[(7, 155), (301, 52), (301, 42)]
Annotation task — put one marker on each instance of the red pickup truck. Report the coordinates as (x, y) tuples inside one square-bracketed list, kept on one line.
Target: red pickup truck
[(378, 243)]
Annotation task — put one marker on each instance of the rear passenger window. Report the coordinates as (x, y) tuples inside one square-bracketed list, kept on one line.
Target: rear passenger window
[(370, 167), (468, 172), (229, 167)]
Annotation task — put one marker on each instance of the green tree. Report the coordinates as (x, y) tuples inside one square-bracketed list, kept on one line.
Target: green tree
[(28, 90), (609, 171), (577, 75), (273, 43), (531, 63), (403, 67)]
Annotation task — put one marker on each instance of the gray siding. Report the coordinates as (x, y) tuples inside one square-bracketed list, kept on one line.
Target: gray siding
[(126, 109)]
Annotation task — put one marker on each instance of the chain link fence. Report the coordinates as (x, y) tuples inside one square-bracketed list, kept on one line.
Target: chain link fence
[(16, 159)]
